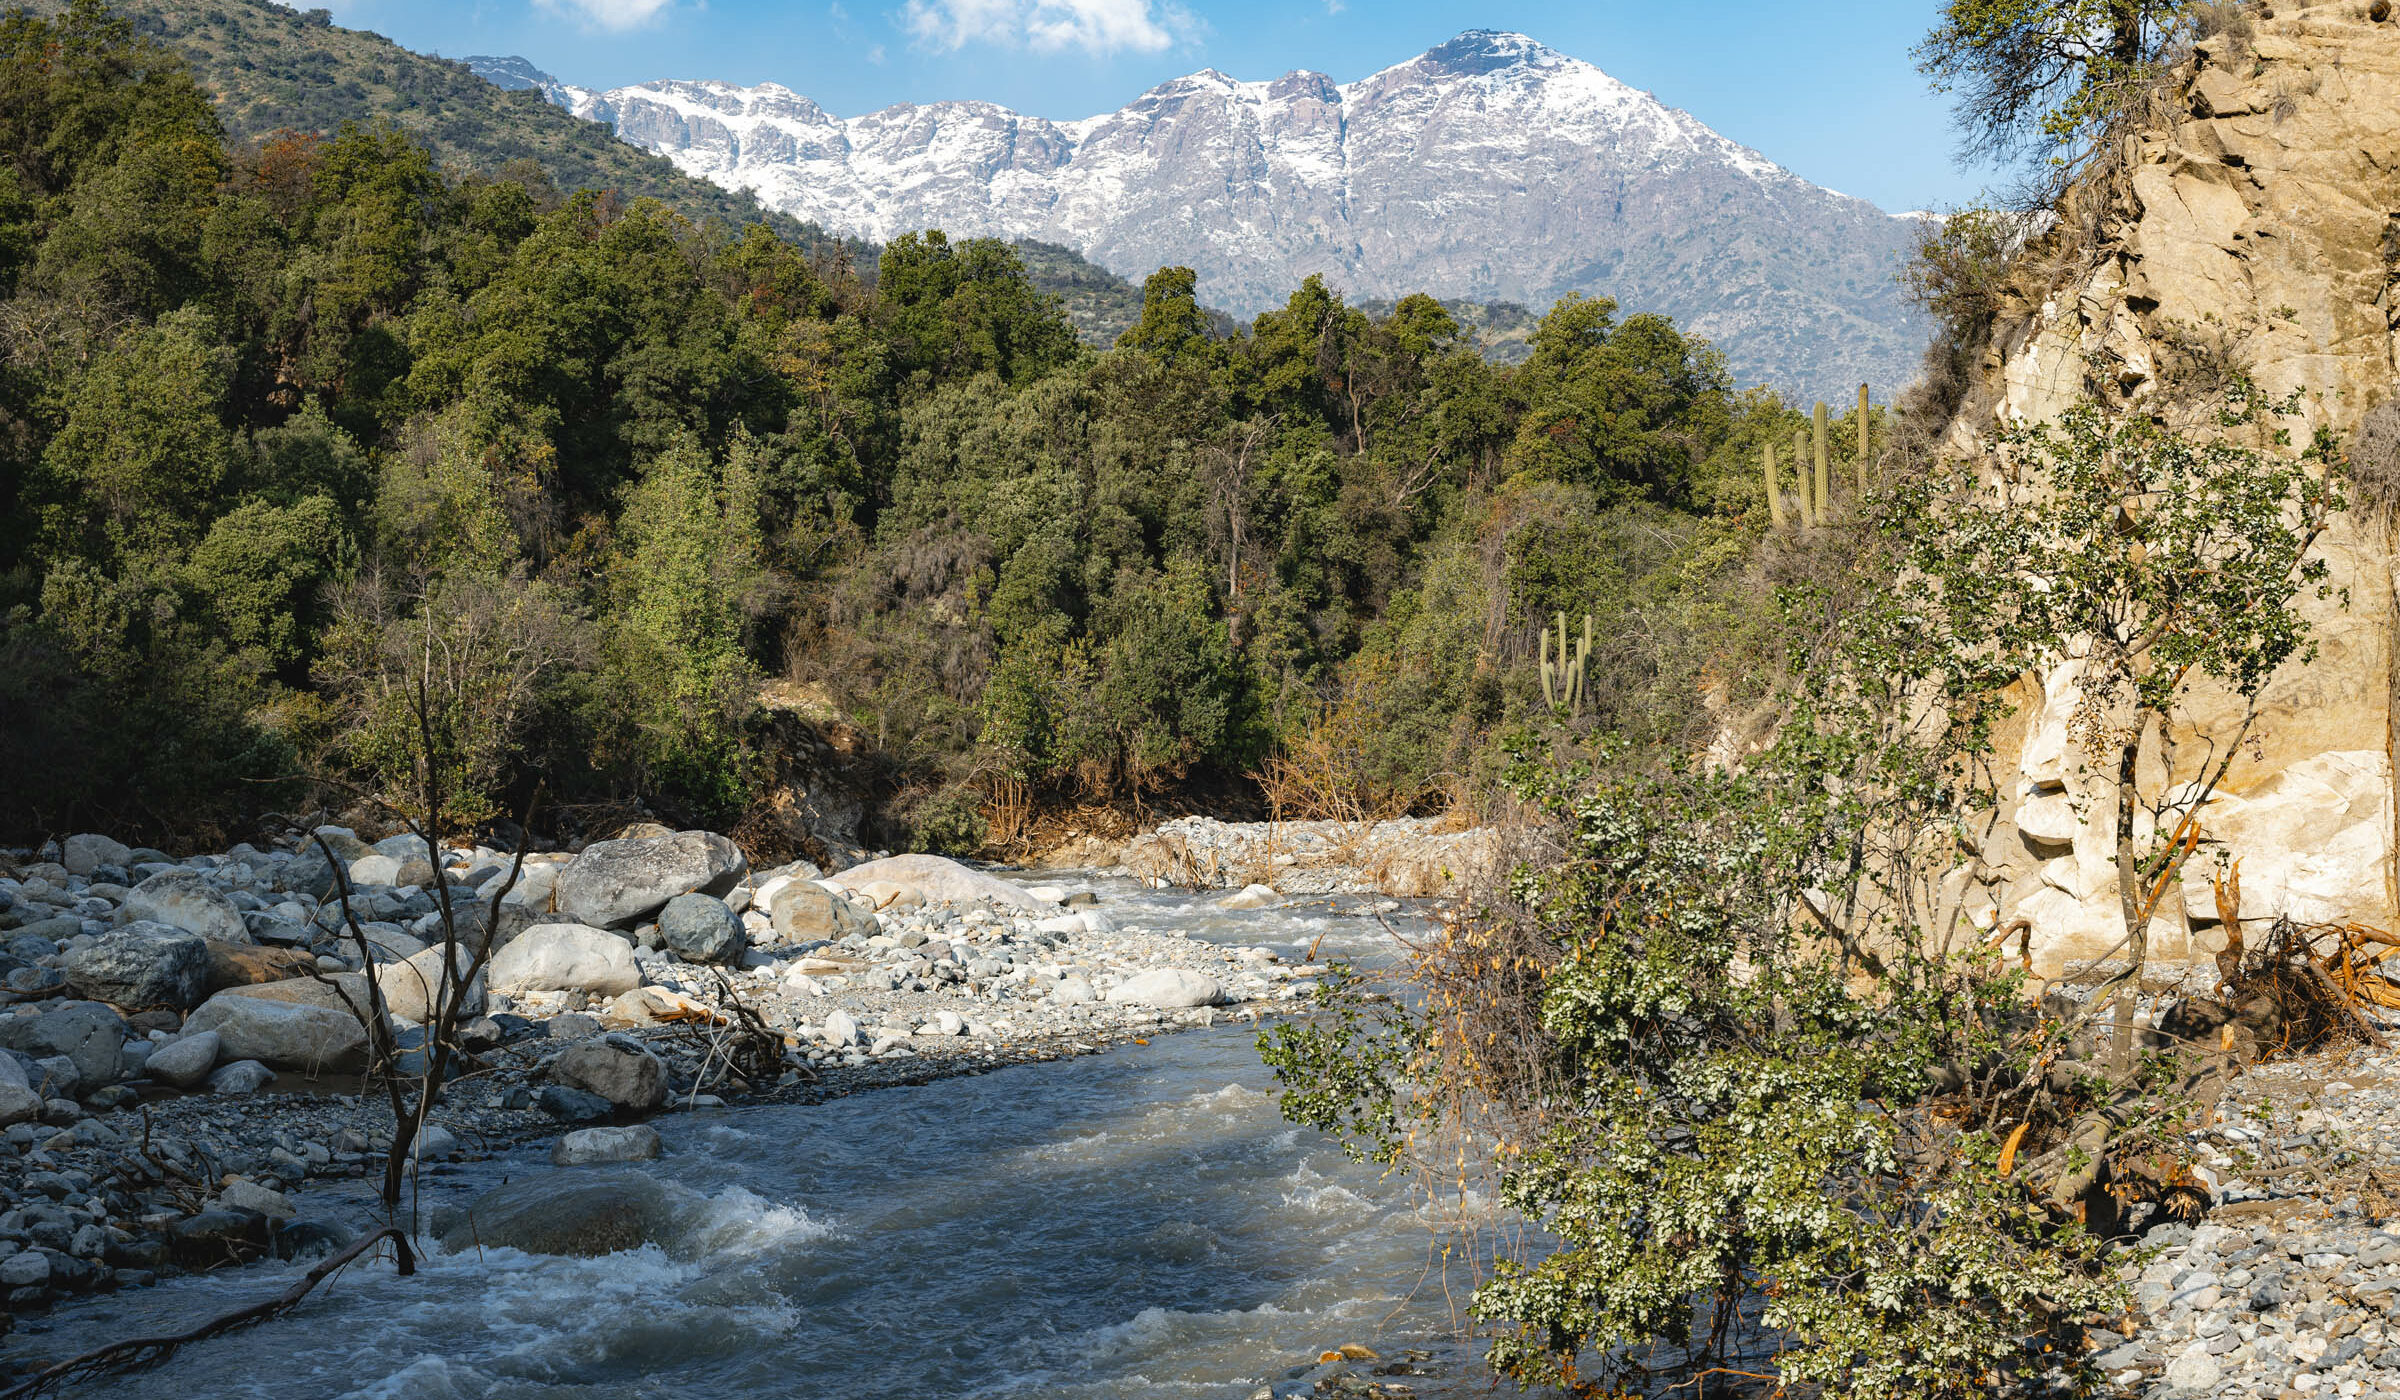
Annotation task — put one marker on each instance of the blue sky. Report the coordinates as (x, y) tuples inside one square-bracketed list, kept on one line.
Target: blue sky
[(1828, 91)]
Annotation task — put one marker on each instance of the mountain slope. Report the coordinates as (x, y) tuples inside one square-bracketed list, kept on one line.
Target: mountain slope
[(275, 69), (1489, 168)]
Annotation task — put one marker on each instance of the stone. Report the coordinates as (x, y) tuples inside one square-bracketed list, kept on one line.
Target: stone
[(375, 869), (434, 1143), (803, 910), (702, 929), (185, 1061), (240, 1077), (937, 879), (638, 1142), (249, 1195), (1073, 991), (1251, 897), (86, 1032), (2194, 1373), (576, 1214), (141, 965), (413, 989), (618, 884), (841, 1028), (573, 1105), (283, 1034), (334, 991), (184, 899), (238, 965), (30, 1269), (572, 1025), (618, 1069), (564, 958), (83, 854), (1168, 987), (18, 1104), (950, 1023)]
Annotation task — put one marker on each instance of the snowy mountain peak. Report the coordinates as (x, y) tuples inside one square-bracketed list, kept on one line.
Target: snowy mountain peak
[(1490, 167)]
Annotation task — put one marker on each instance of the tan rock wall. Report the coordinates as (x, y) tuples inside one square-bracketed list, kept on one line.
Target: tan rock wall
[(2261, 228)]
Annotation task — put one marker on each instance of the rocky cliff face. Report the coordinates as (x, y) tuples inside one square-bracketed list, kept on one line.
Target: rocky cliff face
[(2256, 225), (1489, 168)]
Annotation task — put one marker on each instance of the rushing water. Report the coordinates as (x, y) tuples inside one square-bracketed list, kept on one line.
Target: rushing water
[(1137, 1223)]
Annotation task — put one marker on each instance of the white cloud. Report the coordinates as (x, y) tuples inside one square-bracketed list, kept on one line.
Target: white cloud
[(609, 14), (1049, 26)]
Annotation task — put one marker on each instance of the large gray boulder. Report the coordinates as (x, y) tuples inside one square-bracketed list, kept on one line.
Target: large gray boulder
[(936, 880), (19, 1103), (702, 928), (564, 958), (618, 1068), (617, 884), (413, 988), (141, 965), (586, 1147), (1166, 988), (86, 1032), (184, 899), (284, 1034), (83, 854)]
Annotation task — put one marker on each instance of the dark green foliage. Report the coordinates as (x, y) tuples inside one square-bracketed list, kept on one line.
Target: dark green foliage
[(289, 416)]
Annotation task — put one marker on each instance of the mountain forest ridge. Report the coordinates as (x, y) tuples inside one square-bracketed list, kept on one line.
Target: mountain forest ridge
[(1489, 168)]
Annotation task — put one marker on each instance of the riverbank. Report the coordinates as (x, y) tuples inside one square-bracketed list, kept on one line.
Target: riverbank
[(145, 1137)]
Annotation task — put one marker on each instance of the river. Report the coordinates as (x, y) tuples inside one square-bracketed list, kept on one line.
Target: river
[(1136, 1223)]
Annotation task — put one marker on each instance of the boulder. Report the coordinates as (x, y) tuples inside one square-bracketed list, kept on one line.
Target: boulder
[(141, 965), (18, 1104), (284, 1034), (841, 1028), (307, 873), (936, 879), (240, 1077), (586, 1147), (618, 884), (1167, 988), (617, 1068), (249, 1195), (572, 1105), (803, 911), (579, 1214), (1074, 991), (702, 929), (184, 899), (1251, 897), (83, 854), (564, 958), (345, 992), (413, 989), (85, 1032), (238, 965), (184, 1062)]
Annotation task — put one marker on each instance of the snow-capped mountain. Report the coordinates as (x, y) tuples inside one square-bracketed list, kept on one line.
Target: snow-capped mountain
[(1490, 167)]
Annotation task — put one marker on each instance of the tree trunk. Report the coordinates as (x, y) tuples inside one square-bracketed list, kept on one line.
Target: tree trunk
[(2129, 894)]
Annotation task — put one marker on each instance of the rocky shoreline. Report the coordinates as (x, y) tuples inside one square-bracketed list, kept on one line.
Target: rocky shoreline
[(178, 1062)]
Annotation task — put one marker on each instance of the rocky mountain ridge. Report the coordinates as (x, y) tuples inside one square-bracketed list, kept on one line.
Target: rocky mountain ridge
[(1490, 168)]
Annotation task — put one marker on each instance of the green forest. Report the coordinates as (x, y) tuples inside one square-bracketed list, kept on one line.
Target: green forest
[(296, 428)]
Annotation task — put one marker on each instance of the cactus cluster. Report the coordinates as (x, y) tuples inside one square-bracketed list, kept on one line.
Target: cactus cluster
[(1815, 487), (1562, 680)]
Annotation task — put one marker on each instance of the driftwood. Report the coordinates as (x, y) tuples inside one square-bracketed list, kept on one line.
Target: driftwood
[(139, 1352)]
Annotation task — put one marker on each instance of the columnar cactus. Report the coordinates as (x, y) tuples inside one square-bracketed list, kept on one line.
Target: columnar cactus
[(1824, 467), (1775, 492), (1809, 515), (1864, 441), (1562, 682)]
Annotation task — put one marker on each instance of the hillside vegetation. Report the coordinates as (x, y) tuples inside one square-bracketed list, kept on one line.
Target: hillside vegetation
[(298, 429)]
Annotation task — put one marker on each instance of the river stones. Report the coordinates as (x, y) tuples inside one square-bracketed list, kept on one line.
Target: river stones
[(618, 1068), (634, 1142), (83, 854), (140, 965), (618, 884), (1168, 988), (936, 880), (804, 911), (577, 1214), (1251, 897), (565, 958), (184, 899), (283, 1034), (90, 1035), (185, 1061), (412, 988), (245, 965), (702, 929)]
